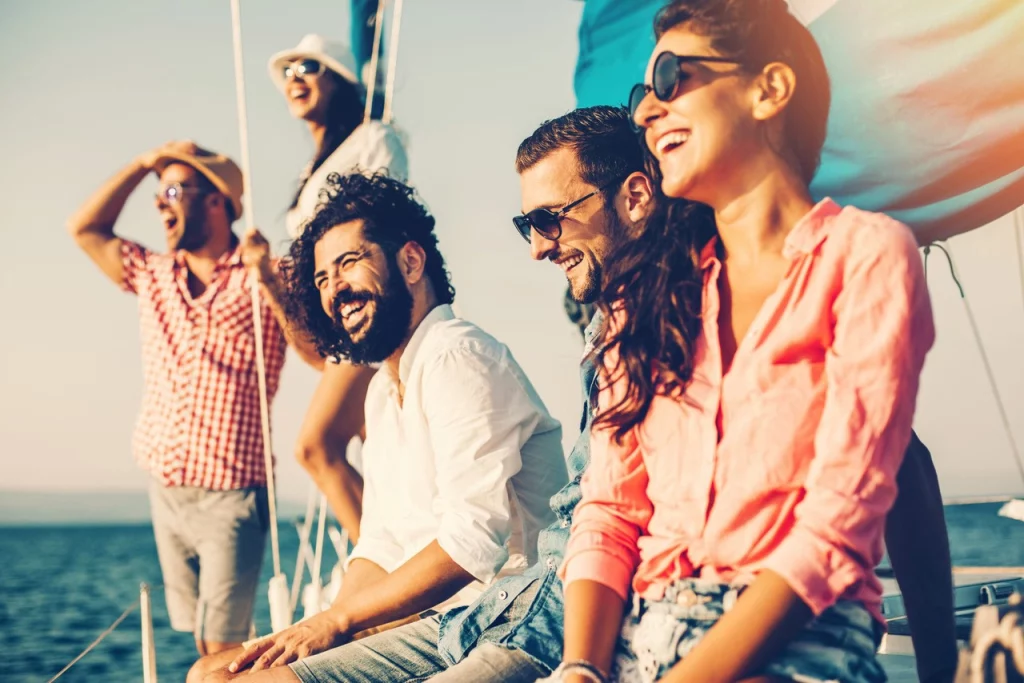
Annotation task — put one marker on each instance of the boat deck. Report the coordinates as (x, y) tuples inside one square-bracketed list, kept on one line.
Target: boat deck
[(897, 652)]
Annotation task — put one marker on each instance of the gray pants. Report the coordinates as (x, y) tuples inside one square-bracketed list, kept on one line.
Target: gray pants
[(211, 547), (409, 653)]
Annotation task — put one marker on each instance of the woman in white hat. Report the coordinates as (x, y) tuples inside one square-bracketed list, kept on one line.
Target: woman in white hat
[(319, 83)]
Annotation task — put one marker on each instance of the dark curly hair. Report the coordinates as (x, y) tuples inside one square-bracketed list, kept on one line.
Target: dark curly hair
[(757, 33), (652, 298), (392, 217)]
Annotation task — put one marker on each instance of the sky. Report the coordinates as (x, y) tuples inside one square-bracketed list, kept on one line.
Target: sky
[(89, 86)]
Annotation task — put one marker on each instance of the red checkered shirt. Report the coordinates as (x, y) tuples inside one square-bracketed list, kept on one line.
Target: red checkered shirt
[(200, 420)]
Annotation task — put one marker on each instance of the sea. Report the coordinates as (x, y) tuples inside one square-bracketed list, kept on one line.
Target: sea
[(61, 586)]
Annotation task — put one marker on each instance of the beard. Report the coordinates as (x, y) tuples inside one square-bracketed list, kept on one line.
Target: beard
[(382, 333), (194, 234), (588, 291)]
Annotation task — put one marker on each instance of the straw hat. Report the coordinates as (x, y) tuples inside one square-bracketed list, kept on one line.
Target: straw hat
[(217, 168), (333, 54)]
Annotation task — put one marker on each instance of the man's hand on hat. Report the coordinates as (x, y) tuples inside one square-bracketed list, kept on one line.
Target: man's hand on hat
[(256, 254), (173, 148)]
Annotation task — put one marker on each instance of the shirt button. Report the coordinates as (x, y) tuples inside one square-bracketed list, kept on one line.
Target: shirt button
[(502, 595), (550, 562), (564, 524)]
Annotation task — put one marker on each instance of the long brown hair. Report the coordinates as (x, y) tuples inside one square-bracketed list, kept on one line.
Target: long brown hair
[(651, 302)]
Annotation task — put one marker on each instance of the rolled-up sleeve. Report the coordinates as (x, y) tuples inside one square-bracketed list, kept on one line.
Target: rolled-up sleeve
[(883, 328), (615, 509), (479, 418), (134, 259)]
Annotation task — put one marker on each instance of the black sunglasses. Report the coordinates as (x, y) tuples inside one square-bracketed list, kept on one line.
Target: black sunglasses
[(667, 78), (547, 223)]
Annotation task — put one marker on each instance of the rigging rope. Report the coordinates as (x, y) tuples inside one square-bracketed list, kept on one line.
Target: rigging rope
[(261, 371), (981, 349), (389, 89), (378, 30), (1007, 636), (100, 638)]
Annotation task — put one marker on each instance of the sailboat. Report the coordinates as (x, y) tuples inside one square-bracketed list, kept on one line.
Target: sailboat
[(928, 126)]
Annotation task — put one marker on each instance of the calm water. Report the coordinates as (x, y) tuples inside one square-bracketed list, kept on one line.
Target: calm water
[(61, 586)]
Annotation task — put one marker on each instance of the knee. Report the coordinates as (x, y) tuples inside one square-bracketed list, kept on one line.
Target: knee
[(203, 667)]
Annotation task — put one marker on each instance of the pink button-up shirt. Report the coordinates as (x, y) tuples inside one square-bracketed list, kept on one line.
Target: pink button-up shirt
[(815, 415)]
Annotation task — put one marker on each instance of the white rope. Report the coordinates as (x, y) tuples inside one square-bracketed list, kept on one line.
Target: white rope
[(261, 372), (318, 556), (378, 31), (1008, 636), (389, 89), (99, 639), (304, 531), (948, 251)]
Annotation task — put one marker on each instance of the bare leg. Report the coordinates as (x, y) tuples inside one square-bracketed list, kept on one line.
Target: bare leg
[(334, 417), (211, 662), (918, 546), (212, 647)]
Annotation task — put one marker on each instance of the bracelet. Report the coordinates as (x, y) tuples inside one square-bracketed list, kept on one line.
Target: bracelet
[(579, 666)]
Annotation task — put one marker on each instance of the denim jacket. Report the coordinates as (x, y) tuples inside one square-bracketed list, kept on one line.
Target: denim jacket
[(525, 612)]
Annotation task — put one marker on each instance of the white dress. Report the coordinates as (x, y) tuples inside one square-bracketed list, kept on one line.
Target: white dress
[(372, 146)]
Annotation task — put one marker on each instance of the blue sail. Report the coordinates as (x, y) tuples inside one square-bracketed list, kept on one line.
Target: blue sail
[(927, 119), (364, 17), (363, 23)]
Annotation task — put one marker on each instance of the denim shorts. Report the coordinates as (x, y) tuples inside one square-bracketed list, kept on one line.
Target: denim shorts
[(837, 646)]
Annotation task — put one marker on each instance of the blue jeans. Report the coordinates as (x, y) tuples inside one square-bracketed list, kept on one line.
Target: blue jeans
[(409, 653), (839, 645)]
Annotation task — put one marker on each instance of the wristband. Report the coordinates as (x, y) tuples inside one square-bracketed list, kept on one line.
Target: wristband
[(579, 666)]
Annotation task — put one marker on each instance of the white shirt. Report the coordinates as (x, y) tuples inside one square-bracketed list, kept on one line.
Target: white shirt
[(470, 454), (372, 146)]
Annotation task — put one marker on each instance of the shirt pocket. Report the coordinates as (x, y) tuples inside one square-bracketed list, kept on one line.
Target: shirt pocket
[(233, 346), (232, 314)]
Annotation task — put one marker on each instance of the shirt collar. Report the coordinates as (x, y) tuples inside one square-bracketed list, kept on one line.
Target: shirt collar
[(439, 314), (809, 232), (229, 259)]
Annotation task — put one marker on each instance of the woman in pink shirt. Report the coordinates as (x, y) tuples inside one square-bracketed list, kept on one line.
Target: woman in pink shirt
[(735, 502)]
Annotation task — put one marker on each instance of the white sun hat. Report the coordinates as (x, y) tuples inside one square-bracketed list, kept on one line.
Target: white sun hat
[(333, 54)]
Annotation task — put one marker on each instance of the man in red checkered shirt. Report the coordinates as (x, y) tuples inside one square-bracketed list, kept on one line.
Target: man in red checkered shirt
[(199, 432)]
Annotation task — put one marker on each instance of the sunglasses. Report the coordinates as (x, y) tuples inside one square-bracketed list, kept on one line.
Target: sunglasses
[(667, 78), (302, 68), (547, 223), (172, 194)]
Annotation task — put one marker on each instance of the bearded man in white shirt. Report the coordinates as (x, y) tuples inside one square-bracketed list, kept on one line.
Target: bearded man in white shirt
[(461, 456)]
